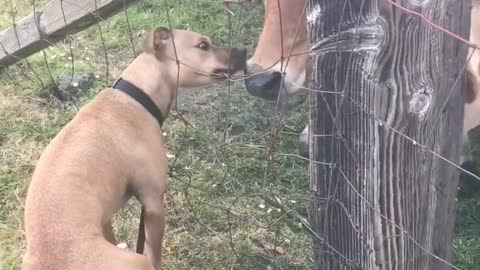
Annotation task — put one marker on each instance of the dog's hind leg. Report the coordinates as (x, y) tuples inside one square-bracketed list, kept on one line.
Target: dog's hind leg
[(115, 258)]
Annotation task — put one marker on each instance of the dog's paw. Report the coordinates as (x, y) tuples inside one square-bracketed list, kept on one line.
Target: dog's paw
[(122, 245)]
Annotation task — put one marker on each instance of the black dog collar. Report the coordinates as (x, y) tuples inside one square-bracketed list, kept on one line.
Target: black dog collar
[(140, 96)]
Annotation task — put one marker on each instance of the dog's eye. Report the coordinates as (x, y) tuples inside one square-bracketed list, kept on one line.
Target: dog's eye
[(204, 46)]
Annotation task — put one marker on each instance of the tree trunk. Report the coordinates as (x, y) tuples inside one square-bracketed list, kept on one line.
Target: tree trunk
[(382, 198)]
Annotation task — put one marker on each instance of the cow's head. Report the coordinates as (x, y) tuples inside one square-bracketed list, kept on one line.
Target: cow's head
[(264, 70)]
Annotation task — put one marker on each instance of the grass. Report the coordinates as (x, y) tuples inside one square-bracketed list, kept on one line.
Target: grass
[(217, 214), (467, 240)]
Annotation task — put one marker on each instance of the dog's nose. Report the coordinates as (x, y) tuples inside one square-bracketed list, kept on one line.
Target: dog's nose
[(242, 54), (238, 60), (264, 85)]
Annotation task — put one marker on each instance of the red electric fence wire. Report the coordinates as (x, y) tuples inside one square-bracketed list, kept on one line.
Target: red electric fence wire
[(434, 25)]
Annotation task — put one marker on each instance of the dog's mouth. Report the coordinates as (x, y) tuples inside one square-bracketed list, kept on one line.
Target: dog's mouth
[(224, 73), (220, 73)]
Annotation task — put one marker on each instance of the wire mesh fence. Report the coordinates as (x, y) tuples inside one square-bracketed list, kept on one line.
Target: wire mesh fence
[(238, 194), (357, 129)]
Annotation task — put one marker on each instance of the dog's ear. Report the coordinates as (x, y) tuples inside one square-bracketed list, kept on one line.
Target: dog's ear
[(157, 40)]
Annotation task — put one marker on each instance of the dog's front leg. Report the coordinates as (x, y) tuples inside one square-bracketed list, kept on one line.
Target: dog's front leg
[(154, 229), (108, 232)]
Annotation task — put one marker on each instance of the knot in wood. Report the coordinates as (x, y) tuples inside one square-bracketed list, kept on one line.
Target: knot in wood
[(420, 102)]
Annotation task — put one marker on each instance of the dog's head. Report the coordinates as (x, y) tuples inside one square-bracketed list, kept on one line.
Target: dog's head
[(200, 61)]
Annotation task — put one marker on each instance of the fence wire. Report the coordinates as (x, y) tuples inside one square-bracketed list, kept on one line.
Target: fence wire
[(256, 219)]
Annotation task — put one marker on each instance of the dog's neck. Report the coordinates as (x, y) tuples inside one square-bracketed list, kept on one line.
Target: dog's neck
[(154, 78)]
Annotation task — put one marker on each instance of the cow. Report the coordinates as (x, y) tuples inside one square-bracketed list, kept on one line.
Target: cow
[(278, 53), (283, 51)]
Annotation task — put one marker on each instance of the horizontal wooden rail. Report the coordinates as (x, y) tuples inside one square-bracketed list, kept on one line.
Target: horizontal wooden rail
[(55, 21)]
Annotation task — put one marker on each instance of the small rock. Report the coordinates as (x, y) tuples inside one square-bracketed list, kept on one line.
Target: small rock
[(72, 87)]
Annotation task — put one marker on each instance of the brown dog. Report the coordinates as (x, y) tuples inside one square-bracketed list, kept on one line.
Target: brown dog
[(113, 150)]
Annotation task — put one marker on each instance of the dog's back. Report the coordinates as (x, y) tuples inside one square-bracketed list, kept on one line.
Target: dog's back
[(71, 188)]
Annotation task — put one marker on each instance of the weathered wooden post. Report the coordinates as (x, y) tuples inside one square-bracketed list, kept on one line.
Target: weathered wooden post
[(382, 198)]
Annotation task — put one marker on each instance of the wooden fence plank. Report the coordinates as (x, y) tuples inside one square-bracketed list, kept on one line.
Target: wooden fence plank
[(20, 39), (54, 22)]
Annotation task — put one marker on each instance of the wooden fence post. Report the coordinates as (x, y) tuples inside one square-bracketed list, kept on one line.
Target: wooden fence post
[(382, 198)]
